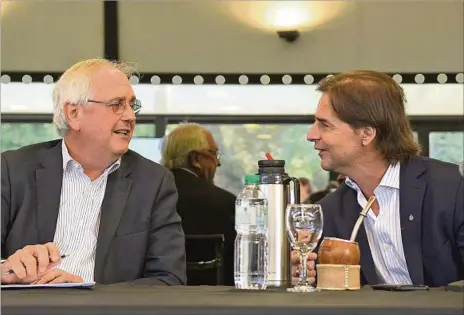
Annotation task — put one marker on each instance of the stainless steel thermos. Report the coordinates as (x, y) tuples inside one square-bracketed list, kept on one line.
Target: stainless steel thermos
[(275, 184)]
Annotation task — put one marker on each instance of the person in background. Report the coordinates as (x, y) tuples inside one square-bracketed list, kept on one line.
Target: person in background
[(414, 233), (305, 188), (191, 153), (319, 195), (108, 209)]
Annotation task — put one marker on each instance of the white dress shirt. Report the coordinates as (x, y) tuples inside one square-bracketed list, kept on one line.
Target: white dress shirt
[(79, 217), (384, 231)]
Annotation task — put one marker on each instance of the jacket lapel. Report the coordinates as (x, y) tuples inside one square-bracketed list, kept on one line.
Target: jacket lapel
[(367, 263), (49, 179), (114, 202), (412, 191)]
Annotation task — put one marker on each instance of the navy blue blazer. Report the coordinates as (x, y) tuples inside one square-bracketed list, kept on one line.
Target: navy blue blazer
[(432, 192)]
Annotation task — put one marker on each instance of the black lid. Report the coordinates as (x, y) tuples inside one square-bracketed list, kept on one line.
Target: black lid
[(271, 167), (271, 163)]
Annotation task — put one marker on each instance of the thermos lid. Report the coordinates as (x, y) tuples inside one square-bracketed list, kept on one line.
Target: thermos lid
[(251, 179), (271, 167), (271, 163)]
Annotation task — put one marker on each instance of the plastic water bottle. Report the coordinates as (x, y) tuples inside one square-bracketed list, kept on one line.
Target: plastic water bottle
[(251, 245)]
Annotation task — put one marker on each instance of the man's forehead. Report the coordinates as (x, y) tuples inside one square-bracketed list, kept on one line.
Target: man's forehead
[(324, 108), (110, 82), (109, 75)]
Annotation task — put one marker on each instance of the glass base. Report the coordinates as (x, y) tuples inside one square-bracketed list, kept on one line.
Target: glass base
[(302, 289)]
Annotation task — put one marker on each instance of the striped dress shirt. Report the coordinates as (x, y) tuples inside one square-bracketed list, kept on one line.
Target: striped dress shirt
[(384, 231), (79, 217)]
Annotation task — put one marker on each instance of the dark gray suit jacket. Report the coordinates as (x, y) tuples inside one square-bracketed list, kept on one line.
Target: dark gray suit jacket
[(431, 216), (140, 235)]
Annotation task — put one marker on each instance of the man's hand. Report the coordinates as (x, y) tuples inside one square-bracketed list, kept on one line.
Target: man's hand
[(58, 276), (30, 263), (311, 273)]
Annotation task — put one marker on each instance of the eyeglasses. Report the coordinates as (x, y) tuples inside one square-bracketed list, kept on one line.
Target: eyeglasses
[(119, 105), (217, 153)]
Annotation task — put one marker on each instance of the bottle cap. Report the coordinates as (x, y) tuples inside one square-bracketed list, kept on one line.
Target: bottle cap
[(251, 179)]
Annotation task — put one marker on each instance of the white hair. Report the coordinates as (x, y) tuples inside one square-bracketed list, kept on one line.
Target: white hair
[(75, 87)]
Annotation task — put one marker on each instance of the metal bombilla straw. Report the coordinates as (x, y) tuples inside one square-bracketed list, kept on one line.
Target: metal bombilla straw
[(362, 215)]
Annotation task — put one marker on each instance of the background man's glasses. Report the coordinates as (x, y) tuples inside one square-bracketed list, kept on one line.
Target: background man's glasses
[(217, 153), (119, 105)]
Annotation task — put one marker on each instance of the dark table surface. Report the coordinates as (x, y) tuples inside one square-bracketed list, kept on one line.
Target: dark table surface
[(142, 300)]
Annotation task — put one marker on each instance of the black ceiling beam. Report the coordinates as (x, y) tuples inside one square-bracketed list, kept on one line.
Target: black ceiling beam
[(231, 78), (111, 30)]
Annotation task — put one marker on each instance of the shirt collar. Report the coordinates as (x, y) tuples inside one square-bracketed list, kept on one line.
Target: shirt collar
[(391, 178), (68, 160), (190, 171)]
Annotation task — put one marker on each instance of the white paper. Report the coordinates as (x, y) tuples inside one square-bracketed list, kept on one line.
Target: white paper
[(83, 285)]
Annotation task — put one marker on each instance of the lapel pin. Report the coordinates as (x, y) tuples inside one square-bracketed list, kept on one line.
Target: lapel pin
[(411, 217)]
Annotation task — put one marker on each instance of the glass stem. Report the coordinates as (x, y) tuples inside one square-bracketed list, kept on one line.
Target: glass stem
[(303, 280)]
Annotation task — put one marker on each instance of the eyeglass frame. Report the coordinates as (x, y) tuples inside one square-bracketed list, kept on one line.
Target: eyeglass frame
[(216, 152), (118, 108)]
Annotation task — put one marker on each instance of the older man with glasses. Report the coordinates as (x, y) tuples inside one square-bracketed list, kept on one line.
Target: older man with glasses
[(192, 154), (85, 208)]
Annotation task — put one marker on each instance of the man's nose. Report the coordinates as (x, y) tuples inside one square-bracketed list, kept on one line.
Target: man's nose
[(129, 114), (313, 133)]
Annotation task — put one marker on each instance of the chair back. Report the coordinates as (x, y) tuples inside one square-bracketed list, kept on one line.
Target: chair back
[(205, 259)]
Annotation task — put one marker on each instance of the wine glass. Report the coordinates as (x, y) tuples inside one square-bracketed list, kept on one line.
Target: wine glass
[(304, 224)]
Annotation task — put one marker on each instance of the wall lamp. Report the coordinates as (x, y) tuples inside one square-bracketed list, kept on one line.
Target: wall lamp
[(289, 36)]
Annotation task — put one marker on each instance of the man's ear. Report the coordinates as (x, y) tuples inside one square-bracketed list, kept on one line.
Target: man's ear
[(193, 159), (368, 135), (73, 115)]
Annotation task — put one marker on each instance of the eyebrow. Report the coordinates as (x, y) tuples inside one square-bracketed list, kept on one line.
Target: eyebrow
[(323, 120), (118, 98)]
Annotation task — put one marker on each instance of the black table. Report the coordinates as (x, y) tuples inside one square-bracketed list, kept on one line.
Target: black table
[(142, 300)]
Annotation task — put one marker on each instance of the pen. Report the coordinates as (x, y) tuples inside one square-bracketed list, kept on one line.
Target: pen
[(9, 272)]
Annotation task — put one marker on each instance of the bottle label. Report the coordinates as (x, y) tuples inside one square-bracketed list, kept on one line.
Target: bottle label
[(251, 216), (245, 215)]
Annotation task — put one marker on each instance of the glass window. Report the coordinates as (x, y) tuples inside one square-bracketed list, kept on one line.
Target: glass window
[(447, 146), (16, 135), (145, 143), (234, 99), (242, 146), (416, 136), (144, 130)]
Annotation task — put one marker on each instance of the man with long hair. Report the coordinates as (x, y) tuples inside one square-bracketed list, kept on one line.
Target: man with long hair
[(414, 233)]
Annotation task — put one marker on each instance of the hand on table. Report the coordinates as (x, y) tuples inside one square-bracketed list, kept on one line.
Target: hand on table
[(58, 276), (30, 263), (311, 271)]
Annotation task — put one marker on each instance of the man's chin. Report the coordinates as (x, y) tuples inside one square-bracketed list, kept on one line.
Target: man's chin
[(326, 166), (120, 151)]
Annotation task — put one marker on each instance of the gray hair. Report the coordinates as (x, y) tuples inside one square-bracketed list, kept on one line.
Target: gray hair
[(181, 141), (75, 87)]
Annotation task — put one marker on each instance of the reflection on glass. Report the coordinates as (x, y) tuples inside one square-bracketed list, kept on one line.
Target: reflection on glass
[(243, 145), (447, 146)]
